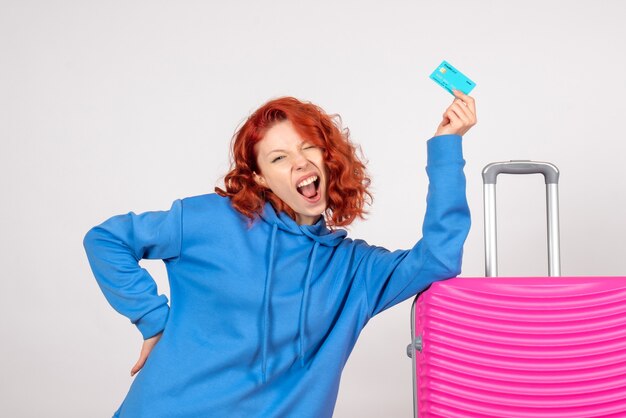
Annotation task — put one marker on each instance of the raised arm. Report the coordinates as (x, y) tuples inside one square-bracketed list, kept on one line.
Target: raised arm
[(391, 277), (114, 249)]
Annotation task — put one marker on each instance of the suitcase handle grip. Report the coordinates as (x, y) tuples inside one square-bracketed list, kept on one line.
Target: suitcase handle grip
[(549, 171), (551, 175)]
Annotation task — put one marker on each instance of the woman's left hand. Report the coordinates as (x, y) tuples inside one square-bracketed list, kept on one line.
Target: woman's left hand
[(459, 117)]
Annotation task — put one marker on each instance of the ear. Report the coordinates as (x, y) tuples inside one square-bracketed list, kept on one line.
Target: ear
[(259, 179)]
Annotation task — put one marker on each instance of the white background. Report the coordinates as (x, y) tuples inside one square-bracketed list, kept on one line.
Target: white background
[(108, 107)]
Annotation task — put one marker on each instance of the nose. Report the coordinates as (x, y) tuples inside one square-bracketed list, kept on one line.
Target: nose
[(300, 161)]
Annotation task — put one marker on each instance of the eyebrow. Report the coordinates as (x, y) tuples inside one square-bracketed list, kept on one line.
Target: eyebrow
[(282, 150), (276, 150)]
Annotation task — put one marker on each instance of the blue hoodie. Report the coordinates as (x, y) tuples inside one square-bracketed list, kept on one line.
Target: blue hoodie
[(262, 319)]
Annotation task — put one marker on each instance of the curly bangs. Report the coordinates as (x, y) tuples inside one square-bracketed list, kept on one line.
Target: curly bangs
[(348, 181)]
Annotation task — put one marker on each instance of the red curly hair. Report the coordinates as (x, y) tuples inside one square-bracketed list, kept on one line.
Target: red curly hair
[(347, 178)]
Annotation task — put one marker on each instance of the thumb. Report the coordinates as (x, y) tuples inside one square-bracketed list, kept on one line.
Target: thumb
[(445, 119), (146, 348), (142, 360)]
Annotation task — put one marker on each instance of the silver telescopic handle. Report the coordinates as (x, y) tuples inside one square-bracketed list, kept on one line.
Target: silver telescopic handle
[(551, 175)]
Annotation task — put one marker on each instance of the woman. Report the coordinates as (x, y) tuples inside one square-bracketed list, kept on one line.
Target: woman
[(268, 295)]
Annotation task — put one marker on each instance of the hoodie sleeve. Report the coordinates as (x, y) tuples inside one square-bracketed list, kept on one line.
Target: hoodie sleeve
[(392, 277), (114, 249)]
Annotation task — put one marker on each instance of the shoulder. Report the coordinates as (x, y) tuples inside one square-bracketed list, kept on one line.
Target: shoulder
[(359, 247), (211, 207), (207, 200)]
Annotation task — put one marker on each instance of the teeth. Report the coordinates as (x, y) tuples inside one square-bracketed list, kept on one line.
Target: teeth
[(307, 181)]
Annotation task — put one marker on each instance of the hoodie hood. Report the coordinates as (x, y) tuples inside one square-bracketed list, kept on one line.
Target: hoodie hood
[(318, 232), (320, 235)]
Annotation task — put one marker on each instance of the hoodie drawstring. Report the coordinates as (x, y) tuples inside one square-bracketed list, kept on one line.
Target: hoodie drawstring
[(266, 302), (320, 235), (303, 304)]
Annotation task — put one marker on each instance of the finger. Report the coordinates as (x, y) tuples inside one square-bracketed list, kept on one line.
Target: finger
[(135, 368), (460, 110), (453, 117), (464, 113), (469, 100), (139, 365)]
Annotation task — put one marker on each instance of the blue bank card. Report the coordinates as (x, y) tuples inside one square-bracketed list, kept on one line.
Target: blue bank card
[(450, 78)]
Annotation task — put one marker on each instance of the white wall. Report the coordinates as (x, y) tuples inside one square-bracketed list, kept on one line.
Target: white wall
[(107, 107)]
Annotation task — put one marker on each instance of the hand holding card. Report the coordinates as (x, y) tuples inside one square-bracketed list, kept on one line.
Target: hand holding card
[(459, 117)]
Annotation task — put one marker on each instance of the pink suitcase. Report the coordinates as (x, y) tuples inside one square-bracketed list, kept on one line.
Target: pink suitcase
[(520, 346)]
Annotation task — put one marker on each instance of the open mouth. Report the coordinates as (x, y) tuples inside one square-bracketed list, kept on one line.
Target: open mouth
[(310, 191)]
